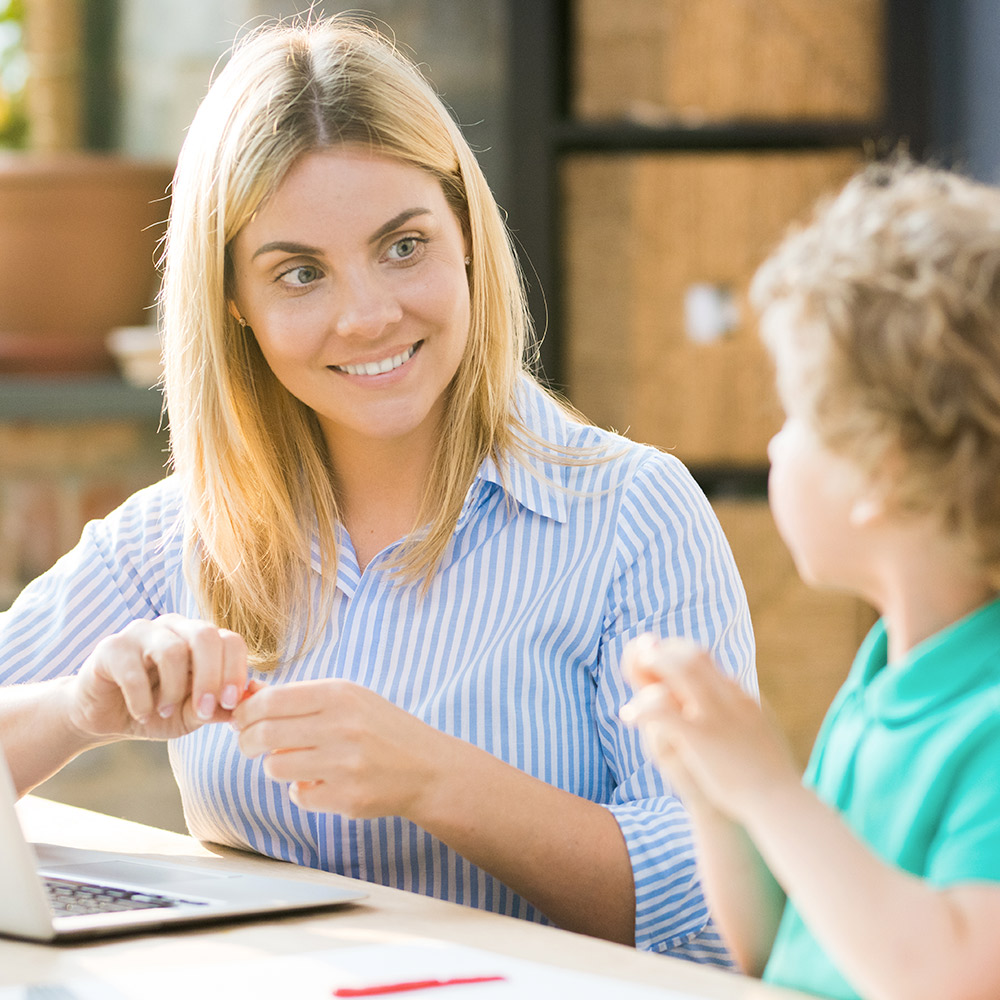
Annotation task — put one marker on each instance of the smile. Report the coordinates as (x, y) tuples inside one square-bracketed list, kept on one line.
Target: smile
[(379, 367)]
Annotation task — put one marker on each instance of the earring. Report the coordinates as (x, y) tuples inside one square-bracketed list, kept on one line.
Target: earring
[(468, 261), (242, 322)]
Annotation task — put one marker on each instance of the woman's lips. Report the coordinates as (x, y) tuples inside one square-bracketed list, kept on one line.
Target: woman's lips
[(379, 367)]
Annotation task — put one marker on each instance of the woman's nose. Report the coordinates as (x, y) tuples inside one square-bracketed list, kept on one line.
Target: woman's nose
[(365, 305)]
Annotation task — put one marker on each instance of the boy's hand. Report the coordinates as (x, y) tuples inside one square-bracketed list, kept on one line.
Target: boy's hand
[(703, 729)]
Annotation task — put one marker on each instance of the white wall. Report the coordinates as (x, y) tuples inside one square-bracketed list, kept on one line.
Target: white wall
[(168, 51)]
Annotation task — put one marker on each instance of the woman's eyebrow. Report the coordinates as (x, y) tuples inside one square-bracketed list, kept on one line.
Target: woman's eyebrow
[(397, 221), (286, 246)]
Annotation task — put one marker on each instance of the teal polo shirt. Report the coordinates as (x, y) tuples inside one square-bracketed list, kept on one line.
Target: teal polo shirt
[(910, 755)]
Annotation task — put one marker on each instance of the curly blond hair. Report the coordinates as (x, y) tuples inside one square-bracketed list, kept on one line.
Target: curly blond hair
[(895, 283)]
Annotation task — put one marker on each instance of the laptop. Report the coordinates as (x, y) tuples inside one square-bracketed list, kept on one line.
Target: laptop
[(63, 894)]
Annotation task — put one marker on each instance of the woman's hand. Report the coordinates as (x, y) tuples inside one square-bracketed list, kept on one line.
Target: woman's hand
[(158, 679), (342, 748), (709, 736)]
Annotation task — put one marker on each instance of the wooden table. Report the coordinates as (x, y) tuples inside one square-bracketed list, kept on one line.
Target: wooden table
[(386, 915)]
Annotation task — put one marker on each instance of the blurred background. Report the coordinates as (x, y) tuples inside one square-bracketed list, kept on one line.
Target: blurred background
[(648, 154)]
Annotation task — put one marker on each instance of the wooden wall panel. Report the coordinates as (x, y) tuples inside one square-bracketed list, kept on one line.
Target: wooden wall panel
[(717, 60), (641, 232)]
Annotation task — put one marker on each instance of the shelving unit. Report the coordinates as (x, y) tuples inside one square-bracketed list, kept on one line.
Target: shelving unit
[(53, 399), (543, 132)]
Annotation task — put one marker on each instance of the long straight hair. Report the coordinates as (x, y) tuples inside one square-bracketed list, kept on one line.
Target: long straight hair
[(252, 462)]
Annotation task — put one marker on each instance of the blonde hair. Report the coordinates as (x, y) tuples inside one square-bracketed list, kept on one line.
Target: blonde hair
[(252, 462), (896, 286)]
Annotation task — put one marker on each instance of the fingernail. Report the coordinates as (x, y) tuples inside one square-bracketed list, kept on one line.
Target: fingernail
[(230, 696), (165, 711), (206, 706), (627, 712)]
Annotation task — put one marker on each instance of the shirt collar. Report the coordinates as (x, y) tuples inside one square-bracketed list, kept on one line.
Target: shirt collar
[(936, 671), (524, 473), (529, 479)]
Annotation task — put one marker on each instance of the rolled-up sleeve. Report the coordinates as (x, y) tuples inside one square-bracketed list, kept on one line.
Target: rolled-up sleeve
[(674, 576)]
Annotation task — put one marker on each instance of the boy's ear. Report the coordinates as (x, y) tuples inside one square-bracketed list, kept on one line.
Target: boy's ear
[(866, 510), (874, 500)]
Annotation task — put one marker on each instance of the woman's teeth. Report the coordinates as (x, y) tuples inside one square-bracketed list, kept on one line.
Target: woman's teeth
[(378, 367)]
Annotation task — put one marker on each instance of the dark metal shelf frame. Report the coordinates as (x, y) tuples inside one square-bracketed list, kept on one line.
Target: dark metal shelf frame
[(542, 131)]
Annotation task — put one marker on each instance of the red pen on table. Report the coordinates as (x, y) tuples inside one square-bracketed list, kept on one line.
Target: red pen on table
[(416, 984)]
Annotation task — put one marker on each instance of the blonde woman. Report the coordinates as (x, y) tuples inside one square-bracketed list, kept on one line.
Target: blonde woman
[(402, 572)]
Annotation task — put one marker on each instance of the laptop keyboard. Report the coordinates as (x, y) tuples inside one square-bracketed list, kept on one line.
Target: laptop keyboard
[(68, 897)]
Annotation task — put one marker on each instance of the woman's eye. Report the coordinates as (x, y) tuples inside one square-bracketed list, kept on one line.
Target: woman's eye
[(304, 274), (405, 248)]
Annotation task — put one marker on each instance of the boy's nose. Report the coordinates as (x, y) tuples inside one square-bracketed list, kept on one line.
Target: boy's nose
[(365, 305), (774, 444)]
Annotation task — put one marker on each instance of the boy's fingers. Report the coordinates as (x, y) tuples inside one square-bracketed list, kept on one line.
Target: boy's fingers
[(679, 654), (648, 704), (637, 658), (704, 690), (647, 659)]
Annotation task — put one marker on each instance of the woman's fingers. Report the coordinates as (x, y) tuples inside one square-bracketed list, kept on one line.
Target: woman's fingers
[(296, 716), (163, 677), (167, 656), (342, 747), (210, 663), (119, 660), (234, 669)]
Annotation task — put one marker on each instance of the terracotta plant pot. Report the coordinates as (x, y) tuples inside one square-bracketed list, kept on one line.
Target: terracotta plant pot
[(78, 240)]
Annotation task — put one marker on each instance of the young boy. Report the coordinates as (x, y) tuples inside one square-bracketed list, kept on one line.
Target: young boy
[(879, 875)]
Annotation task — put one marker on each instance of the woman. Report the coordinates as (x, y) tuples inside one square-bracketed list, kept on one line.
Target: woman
[(398, 568)]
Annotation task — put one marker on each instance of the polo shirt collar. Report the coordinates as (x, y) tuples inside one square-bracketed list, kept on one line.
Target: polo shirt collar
[(938, 670)]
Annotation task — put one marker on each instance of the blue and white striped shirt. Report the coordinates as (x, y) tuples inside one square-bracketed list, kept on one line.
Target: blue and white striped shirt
[(516, 648)]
